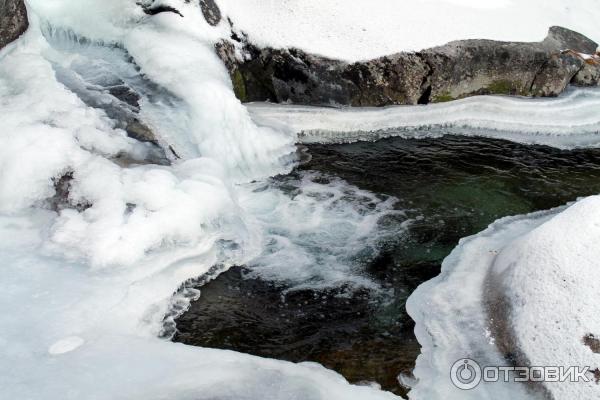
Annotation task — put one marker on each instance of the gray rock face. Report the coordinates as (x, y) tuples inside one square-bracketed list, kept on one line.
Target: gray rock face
[(13, 20), (291, 75), (211, 12), (456, 70), (560, 38), (556, 74), (589, 75), (473, 67)]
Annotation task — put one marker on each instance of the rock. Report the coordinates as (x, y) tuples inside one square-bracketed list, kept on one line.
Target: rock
[(211, 12), (150, 10), (556, 74), (140, 131), (452, 71), (473, 67), (13, 20), (560, 38), (291, 75), (589, 75), (397, 79)]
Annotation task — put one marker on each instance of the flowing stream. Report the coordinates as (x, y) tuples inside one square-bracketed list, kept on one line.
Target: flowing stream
[(446, 188)]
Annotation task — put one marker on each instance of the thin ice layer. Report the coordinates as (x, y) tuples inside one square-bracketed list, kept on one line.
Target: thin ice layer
[(567, 122)]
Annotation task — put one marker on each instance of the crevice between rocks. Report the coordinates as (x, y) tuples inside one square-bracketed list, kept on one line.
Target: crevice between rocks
[(426, 85)]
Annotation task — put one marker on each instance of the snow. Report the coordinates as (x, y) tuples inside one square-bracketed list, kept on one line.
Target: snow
[(568, 122), (355, 30), (545, 267), (545, 275), (66, 345), (86, 290), (451, 314)]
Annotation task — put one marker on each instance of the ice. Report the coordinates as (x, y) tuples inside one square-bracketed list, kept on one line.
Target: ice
[(567, 122), (451, 314), (66, 345), (526, 286), (550, 278), (96, 239)]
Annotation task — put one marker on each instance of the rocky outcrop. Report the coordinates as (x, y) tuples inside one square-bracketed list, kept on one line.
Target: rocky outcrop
[(456, 70), (589, 75), (564, 39), (295, 76), (13, 20)]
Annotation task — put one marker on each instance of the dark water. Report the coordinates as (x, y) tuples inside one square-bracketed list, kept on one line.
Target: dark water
[(453, 187)]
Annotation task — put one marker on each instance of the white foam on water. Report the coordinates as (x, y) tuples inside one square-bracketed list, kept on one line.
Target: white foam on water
[(323, 229)]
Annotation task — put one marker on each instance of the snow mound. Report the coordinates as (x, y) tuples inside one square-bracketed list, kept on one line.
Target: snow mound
[(525, 288), (550, 278)]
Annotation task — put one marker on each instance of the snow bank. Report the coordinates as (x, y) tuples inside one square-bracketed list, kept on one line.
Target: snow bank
[(568, 122), (451, 314), (536, 276), (550, 278), (354, 30)]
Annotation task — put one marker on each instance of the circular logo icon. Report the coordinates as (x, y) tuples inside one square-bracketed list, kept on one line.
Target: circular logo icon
[(465, 374)]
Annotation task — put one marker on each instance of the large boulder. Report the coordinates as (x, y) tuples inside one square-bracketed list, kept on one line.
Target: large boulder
[(471, 67), (13, 20), (452, 71), (291, 75)]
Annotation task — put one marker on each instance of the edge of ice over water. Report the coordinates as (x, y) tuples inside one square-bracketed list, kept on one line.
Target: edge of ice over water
[(526, 285), (569, 121), (85, 291)]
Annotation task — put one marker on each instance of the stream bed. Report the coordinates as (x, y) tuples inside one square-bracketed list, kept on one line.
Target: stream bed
[(449, 188)]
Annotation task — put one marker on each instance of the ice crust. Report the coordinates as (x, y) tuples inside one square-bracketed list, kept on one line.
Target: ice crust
[(87, 287), (568, 122)]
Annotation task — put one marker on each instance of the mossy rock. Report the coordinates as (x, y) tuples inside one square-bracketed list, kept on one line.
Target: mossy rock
[(507, 87), (239, 85), (443, 98)]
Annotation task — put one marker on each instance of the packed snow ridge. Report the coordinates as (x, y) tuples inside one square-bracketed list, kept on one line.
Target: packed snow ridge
[(96, 238)]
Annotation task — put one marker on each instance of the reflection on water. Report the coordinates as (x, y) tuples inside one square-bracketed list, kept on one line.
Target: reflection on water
[(452, 187)]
